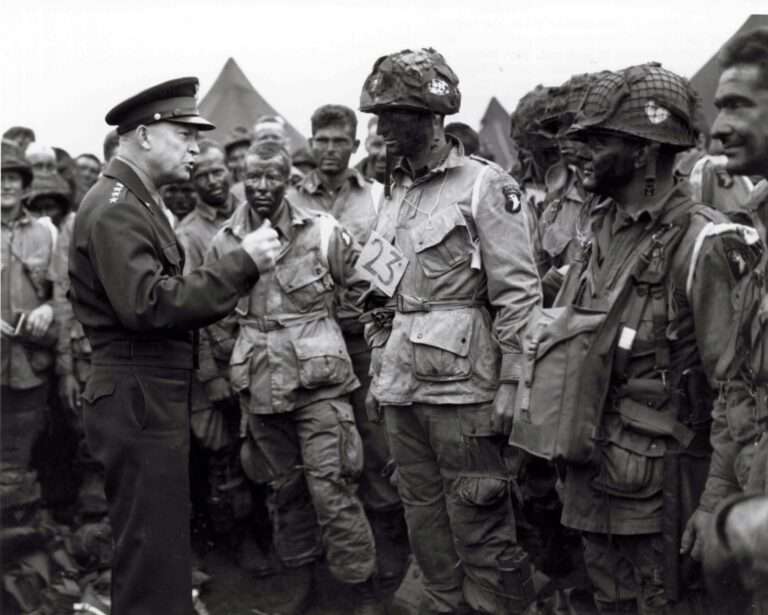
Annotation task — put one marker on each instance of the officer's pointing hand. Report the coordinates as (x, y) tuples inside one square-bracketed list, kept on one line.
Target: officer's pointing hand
[(262, 246)]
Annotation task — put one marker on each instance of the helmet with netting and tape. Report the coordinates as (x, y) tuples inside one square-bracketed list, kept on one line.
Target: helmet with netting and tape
[(645, 101), (418, 80), (565, 101), (525, 120)]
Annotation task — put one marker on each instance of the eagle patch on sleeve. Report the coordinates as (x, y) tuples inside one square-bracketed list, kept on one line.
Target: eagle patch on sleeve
[(512, 198)]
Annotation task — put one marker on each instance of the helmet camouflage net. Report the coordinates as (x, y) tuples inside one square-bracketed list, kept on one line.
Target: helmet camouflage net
[(525, 120), (417, 80), (644, 101)]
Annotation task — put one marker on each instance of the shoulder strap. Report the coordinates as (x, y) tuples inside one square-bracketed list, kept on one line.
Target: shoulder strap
[(377, 193), (475, 203), (326, 225)]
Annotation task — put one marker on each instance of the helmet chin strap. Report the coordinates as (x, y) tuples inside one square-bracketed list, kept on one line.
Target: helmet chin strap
[(650, 169)]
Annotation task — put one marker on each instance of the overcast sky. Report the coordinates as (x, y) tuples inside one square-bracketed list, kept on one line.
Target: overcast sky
[(66, 62)]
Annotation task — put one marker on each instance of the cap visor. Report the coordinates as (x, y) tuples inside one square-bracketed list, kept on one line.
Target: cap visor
[(194, 120)]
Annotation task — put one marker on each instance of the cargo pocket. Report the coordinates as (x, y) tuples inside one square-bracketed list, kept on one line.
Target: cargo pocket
[(441, 342), (240, 362), (443, 242), (98, 387), (631, 465), (322, 361), (481, 490), (350, 443), (304, 280)]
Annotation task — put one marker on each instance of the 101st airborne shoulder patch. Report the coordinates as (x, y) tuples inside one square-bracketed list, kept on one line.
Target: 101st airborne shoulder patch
[(512, 198)]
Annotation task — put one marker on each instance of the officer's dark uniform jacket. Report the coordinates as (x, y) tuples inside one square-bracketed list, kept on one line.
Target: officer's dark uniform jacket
[(125, 267), (622, 493), (289, 351)]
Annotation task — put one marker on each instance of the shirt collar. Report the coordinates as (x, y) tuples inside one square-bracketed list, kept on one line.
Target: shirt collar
[(452, 157), (144, 178), (313, 182), (285, 219), (212, 213)]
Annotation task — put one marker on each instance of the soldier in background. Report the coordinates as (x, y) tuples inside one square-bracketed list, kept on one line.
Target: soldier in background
[(739, 437), (374, 165), (215, 414), (663, 273), (28, 327), (180, 198), (451, 243), (467, 135), (335, 188), (235, 147)]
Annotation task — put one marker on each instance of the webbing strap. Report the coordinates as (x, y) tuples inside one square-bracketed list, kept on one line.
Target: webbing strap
[(628, 332)]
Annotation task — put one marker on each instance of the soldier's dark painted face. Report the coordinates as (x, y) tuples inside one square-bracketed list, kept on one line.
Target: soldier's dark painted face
[(265, 183), (332, 147), (180, 198), (406, 133), (609, 163), (742, 121), (173, 150), (211, 178)]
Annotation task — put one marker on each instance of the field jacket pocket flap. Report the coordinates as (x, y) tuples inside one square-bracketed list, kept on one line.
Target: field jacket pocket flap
[(435, 229), (447, 330), (300, 272), (557, 325), (322, 361), (654, 423)]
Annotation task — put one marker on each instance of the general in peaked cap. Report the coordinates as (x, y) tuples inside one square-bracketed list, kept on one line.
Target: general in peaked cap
[(170, 101)]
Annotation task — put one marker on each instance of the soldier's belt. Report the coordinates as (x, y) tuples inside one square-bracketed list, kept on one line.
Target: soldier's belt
[(282, 321), (163, 352), (406, 304)]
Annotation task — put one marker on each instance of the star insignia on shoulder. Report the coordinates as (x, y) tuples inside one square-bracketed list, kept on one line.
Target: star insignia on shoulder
[(346, 238)]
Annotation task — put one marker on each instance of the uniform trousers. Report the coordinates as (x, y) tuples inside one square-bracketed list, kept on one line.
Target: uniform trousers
[(314, 457), (136, 419), (376, 490), (627, 575), (456, 494)]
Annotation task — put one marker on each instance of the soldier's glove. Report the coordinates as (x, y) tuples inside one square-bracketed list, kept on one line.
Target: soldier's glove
[(504, 408), (695, 533)]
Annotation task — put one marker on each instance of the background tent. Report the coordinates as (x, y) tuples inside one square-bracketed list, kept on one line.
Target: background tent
[(706, 78), (494, 135), (233, 101)]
